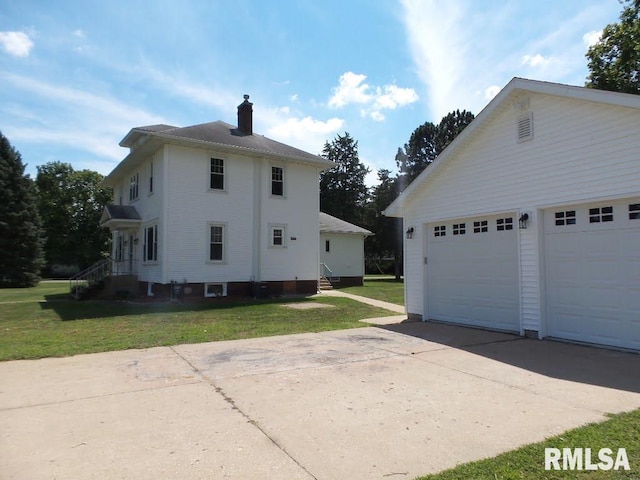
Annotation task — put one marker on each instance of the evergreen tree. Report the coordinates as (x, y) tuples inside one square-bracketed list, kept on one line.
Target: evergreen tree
[(343, 192), (427, 142), (21, 255)]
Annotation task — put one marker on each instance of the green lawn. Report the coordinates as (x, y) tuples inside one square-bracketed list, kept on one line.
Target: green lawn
[(381, 288), (42, 322), (527, 463)]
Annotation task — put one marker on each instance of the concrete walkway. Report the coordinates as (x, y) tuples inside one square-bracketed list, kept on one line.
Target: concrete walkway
[(376, 303), (370, 403)]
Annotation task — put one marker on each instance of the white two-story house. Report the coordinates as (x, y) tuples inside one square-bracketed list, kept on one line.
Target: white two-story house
[(216, 210)]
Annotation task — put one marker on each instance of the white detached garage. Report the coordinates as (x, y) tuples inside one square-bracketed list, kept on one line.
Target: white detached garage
[(529, 221)]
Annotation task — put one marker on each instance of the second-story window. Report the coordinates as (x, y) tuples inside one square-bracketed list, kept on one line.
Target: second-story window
[(216, 182), (133, 186), (151, 177), (277, 181)]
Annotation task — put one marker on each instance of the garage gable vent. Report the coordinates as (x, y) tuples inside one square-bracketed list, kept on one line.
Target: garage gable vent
[(525, 127)]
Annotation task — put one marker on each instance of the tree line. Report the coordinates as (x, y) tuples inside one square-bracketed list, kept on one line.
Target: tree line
[(48, 226), (54, 219), (344, 194)]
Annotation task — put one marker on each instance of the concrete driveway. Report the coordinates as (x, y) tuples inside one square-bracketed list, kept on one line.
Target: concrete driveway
[(370, 403)]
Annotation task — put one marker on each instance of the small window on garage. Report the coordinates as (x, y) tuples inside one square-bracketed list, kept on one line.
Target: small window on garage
[(503, 224), (459, 228), (440, 231), (634, 211), (601, 214), (566, 218), (327, 246), (480, 226)]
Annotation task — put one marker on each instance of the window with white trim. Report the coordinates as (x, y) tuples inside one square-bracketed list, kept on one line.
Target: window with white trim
[(216, 242), (277, 181), (278, 236), (134, 183), (600, 214), (440, 231), (480, 226), (634, 211), (503, 224), (567, 217), (150, 245), (216, 178)]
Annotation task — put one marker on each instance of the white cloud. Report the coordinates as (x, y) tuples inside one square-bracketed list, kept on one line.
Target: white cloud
[(491, 92), (591, 38), (459, 48), (17, 44), (536, 60), (352, 89), (79, 33), (84, 121), (306, 133)]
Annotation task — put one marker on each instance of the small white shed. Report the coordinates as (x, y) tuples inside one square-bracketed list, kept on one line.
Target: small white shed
[(342, 250), (529, 222)]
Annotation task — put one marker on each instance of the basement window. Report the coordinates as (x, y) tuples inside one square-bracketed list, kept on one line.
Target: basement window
[(459, 228), (503, 224), (480, 226), (440, 231), (566, 218), (525, 127), (215, 289), (634, 211), (601, 214)]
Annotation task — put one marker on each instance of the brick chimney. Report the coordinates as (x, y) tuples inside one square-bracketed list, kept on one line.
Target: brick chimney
[(245, 116)]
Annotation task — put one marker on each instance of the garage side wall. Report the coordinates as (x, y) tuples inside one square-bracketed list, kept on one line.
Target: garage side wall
[(579, 151)]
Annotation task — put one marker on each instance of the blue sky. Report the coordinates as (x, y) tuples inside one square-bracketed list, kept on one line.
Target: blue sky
[(76, 76)]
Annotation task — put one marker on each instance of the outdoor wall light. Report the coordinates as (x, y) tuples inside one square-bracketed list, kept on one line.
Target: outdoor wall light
[(523, 220), (410, 233)]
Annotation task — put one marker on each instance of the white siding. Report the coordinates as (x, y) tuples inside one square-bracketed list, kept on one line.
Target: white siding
[(298, 210), (192, 206), (580, 151), (346, 255), (183, 206)]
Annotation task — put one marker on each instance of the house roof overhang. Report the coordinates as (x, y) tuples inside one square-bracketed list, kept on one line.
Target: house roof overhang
[(508, 97), (215, 136), (120, 217)]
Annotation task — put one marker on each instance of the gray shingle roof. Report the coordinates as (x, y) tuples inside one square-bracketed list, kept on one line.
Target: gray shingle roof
[(330, 224), (222, 133)]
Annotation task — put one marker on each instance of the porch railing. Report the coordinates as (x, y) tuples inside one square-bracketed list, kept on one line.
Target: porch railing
[(97, 272)]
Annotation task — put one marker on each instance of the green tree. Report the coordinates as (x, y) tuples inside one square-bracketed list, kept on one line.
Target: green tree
[(343, 192), (71, 203), (427, 142), (387, 242), (20, 231), (614, 61)]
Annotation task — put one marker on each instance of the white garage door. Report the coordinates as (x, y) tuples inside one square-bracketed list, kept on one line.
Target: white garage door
[(472, 272), (593, 273)]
